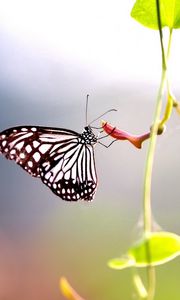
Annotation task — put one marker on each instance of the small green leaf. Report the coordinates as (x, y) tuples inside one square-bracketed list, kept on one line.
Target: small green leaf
[(144, 11), (121, 263), (158, 248)]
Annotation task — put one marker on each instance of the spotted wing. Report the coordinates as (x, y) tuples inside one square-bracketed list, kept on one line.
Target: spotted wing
[(71, 174), (59, 156), (29, 146)]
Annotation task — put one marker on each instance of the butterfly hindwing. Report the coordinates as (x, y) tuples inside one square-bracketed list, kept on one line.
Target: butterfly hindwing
[(72, 176)]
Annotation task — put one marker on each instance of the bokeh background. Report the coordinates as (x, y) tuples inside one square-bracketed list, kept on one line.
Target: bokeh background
[(52, 54)]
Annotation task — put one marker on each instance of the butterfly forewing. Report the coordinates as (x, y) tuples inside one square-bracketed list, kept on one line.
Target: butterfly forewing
[(62, 158), (28, 146)]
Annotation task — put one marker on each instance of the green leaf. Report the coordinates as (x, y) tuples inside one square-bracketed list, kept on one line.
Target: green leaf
[(158, 248), (121, 263), (144, 11)]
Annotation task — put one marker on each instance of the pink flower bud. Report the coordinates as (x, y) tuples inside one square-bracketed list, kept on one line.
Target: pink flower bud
[(118, 134)]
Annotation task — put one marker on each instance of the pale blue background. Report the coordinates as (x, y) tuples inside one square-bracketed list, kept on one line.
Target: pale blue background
[(43, 237)]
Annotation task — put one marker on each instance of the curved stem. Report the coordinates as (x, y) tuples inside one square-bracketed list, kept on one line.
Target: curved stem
[(150, 157), (170, 97), (149, 162), (169, 45), (152, 143), (152, 282), (148, 179)]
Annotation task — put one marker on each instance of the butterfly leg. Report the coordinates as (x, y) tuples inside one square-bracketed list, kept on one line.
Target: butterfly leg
[(107, 146)]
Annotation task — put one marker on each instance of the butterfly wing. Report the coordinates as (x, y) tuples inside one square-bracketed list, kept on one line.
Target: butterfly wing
[(71, 174), (28, 146), (56, 155)]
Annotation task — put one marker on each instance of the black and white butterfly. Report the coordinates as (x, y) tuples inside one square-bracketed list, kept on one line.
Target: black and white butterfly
[(62, 158)]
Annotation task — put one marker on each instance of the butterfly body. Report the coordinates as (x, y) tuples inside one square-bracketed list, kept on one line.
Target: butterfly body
[(62, 158)]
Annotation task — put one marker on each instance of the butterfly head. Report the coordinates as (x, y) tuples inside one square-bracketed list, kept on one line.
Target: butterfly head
[(89, 136)]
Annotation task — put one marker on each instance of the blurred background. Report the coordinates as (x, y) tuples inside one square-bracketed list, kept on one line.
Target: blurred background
[(54, 53)]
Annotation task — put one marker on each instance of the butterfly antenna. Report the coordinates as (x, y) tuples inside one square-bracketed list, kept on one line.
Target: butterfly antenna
[(113, 109), (87, 100)]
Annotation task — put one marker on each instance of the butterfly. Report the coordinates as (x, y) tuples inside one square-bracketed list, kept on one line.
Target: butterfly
[(63, 159)]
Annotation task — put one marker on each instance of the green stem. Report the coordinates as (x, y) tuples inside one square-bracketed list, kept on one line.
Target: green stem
[(138, 285), (169, 44), (148, 180), (150, 159), (152, 281), (164, 66), (152, 143), (170, 97)]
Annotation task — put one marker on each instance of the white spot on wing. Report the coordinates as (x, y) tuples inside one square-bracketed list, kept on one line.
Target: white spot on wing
[(51, 179), (4, 143), (44, 148), (48, 175), (22, 155), (28, 148), (47, 167), (36, 156), (20, 145), (35, 144), (13, 151), (57, 157), (30, 164)]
